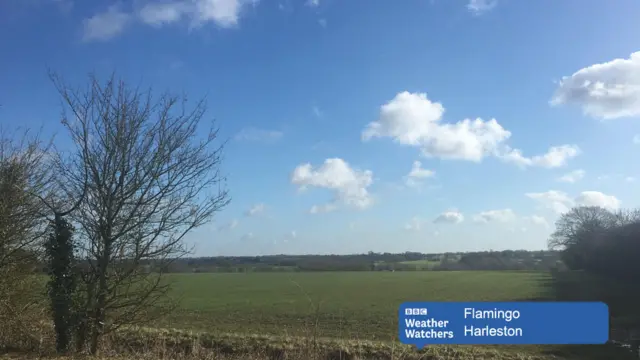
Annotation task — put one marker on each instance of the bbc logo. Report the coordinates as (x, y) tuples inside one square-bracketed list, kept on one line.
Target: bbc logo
[(415, 311)]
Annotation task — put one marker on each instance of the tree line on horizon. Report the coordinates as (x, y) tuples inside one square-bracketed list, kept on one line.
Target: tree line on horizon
[(540, 260)]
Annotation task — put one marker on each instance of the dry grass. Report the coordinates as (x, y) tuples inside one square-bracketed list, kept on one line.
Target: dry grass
[(165, 344)]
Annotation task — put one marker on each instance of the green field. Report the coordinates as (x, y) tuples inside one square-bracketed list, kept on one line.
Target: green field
[(421, 264), (355, 305)]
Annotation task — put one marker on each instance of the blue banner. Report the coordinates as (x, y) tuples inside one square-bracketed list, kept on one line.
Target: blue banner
[(492, 323)]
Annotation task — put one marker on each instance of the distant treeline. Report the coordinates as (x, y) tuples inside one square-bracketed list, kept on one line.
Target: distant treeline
[(409, 261)]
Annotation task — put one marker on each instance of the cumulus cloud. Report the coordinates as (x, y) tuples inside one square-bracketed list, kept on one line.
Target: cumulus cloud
[(412, 119), (504, 215), (106, 25), (450, 217), (607, 90), (557, 201), (258, 135), (479, 7), (349, 185), (417, 174), (255, 210), (596, 198), (572, 176), (560, 202)]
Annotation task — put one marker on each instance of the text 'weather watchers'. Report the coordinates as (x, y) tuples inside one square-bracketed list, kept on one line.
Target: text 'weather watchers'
[(424, 323)]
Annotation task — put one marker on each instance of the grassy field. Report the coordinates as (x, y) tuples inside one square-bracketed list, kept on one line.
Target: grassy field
[(349, 315), (275, 308), (421, 264), (355, 305)]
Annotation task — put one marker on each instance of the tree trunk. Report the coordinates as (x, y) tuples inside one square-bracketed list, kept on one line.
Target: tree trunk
[(99, 308)]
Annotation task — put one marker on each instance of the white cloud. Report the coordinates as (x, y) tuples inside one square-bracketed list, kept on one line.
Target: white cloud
[(223, 13), (479, 7), (538, 220), (417, 174), (349, 185), (451, 216), (158, 14), (255, 210), (106, 25), (596, 198), (619, 177), (607, 90), (572, 176), (504, 215), (258, 135), (412, 119), (560, 202), (636, 139), (556, 156), (557, 201)]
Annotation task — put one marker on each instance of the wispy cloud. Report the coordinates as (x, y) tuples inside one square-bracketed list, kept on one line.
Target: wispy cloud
[(316, 111), (196, 13), (255, 210), (479, 7), (228, 226), (572, 177), (106, 25)]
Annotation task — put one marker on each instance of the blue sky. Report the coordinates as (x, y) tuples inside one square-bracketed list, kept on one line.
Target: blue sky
[(414, 125)]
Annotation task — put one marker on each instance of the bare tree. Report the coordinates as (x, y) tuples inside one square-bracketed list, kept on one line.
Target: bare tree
[(579, 223), (24, 170), (152, 177)]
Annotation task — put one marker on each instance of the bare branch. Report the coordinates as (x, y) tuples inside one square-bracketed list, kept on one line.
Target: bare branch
[(147, 177)]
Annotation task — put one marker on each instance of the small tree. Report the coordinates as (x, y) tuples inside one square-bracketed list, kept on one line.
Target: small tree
[(148, 171), (62, 282), (24, 170)]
